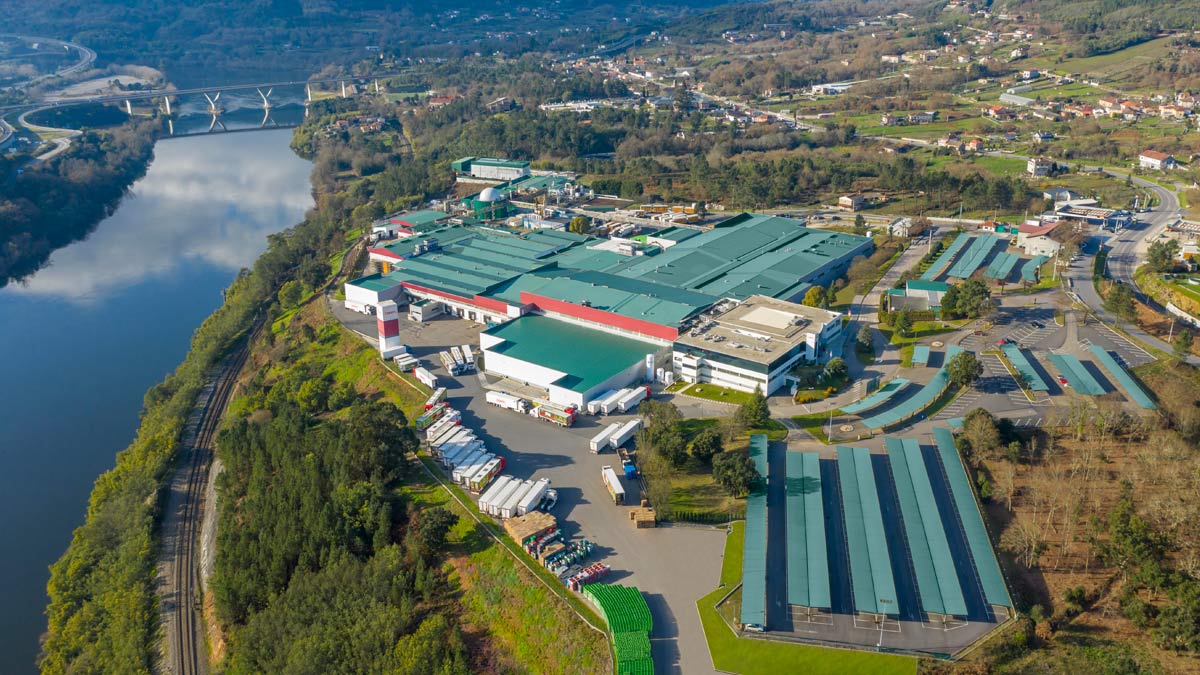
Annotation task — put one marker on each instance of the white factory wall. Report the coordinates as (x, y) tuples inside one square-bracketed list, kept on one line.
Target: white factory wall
[(358, 298), (495, 363)]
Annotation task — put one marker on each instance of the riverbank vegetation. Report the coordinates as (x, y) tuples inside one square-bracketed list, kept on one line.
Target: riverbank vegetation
[(48, 205)]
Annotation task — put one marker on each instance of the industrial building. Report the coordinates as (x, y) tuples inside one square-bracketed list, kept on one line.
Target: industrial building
[(488, 168), (745, 273), (754, 344)]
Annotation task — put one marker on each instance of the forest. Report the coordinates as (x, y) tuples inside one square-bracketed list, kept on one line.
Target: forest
[(49, 205)]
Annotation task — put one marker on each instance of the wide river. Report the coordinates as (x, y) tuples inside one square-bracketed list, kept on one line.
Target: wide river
[(108, 317)]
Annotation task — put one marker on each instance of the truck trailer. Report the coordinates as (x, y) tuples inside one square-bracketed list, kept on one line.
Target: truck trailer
[(489, 495), (593, 406), (603, 440), (430, 416), (631, 399), (425, 377), (445, 423), (608, 404), (534, 497), (436, 397), (507, 401), (477, 482), (496, 502), (563, 417), (626, 432), (613, 483), (509, 508), (470, 466)]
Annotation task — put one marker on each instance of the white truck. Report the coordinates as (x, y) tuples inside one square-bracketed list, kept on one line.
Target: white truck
[(613, 483), (425, 377), (489, 495), (608, 404), (496, 502), (468, 356), (507, 401), (534, 497), (631, 399), (593, 406), (509, 508), (626, 432), (603, 440)]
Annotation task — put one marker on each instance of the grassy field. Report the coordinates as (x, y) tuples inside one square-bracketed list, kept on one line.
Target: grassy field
[(1114, 64), (759, 657), (513, 620), (815, 423), (719, 394)]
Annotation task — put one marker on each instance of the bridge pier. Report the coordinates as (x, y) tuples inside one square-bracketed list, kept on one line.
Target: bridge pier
[(170, 126), (308, 92), (266, 103), (344, 89), (129, 107), (376, 86), (167, 103), (212, 103)]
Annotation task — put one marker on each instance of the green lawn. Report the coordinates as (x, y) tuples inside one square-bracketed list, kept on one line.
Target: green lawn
[(717, 393), (815, 423), (745, 656)]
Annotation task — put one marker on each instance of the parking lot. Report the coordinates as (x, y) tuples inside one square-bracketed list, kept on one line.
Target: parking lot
[(672, 566)]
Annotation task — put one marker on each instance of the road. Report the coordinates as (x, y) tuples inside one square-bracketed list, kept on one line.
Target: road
[(86, 58), (178, 567)]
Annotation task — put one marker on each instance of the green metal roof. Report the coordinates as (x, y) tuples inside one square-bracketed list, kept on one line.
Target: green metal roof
[(807, 555), (1132, 389), (757, 255), (976, 254), (926, 285), (374, 282), (1029, 270), (587, 356), (866, 540), (505, 163), (927, 394), (943, 261), (928, 548), (1077, 375), (1002, 266), (921, 355), (1030, 374), (421, 219), (995, 592), (880, 397), (754, 549), (675, 234)]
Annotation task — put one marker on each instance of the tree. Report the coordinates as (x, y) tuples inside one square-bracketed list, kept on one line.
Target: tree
[(981, 433), (706, 445), (580, 225), (313, 395), (902, 321), (860, 224), (671, 445), (964, 368), (835, 369), (1120, 301), (735, 472), (816, 297), (865, 341), (1160, 257), (754, 413), (971, 299), (1183, 343), (432, 527), (290, 294)]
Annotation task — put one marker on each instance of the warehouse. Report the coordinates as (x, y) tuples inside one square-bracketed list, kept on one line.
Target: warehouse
[(488, 168), (570, 362), (754, 344)]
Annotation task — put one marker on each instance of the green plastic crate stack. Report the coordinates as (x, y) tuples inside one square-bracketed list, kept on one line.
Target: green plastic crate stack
[(625, 611)]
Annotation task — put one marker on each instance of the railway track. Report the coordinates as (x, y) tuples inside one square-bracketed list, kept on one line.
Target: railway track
[(180, 601)]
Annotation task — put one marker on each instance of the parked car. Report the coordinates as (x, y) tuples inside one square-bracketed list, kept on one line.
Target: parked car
[(1063, 381)]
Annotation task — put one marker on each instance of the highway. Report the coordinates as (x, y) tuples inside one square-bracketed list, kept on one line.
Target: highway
[(86, 57)]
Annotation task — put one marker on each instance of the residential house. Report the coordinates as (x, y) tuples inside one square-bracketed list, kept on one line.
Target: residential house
[(1172, 111), (889, 120), (1186, 100), (1038, 166), (975, 145), (890, 58), (1156, 161), (1110, 104), (852, 202), (1042, 136), (1036, 240), (1031, 74), (922, 117)]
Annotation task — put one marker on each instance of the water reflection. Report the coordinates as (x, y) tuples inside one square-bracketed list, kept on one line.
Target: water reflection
[(203, 201)]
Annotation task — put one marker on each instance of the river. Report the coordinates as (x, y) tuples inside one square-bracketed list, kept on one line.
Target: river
[(85, 337)]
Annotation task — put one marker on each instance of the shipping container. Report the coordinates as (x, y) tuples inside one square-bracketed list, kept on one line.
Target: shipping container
[(603, 440), (489, 495), (626, 432), (613, 483), (632, 399), (593, 406), (477, 482), (509, 508), (436, 397), (425, 377), (534, 497), (495, 503), (608, 404)]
